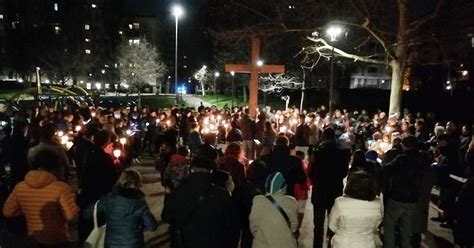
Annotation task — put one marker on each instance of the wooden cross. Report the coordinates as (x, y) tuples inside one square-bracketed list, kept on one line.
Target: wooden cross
[(254, 69)]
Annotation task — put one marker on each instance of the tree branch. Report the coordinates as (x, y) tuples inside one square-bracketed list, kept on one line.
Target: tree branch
[(325, 50), (416, 24)]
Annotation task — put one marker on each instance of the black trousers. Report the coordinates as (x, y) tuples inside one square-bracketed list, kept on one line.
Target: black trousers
[(319, 218)]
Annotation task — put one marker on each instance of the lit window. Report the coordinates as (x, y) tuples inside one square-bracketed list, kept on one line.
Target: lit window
[(87, 40), (1, 16), (56, 7), (87, 27), (89, 86), (130, 26), (94, 6), (120, 32), (88, 51), (136, 25), (136, 41), (57, 29)]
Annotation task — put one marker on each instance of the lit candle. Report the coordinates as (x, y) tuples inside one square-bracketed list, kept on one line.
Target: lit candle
[(283, 129), (60, 133), (128, 132), (117, 153), (64, 139), (78, 128), (123, 140)]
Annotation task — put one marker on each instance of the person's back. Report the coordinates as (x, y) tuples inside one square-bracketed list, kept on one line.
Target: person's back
[(267, 224), (200, 214), (46, 203), (355, 217), (280, 160), (126, 213)]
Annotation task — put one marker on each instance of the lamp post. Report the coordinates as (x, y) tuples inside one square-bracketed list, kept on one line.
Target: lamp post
[(38, 82), (233, 88), (177, 11), (333, 32), (216, 75)]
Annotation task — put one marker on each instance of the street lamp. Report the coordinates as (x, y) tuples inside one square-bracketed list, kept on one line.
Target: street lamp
[(177, 11), (233, 88), (216, 75), (333, 32), (260, 63)]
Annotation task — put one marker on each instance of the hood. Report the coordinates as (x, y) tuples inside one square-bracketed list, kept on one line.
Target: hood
[(177, 159), (39, 179), (275, 183), (129, 193)]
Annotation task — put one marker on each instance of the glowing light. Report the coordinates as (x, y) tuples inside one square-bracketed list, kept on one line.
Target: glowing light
[(333, 32), (465, 73), (64, 139), (93, 6), (60, 133), (217, 74), (177, 11), (93, 114), (232, 73), (157, 121), (98, 86), (260, 63), (283, 129), (117, 153), (449, 87), (168, 123), (123, 140), (77, 128), (128, 132)]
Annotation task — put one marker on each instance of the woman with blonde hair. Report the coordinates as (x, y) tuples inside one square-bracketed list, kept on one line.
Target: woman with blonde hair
[(126, 212)]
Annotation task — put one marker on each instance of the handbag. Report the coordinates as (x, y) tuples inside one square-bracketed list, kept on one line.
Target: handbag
[(97, 237)]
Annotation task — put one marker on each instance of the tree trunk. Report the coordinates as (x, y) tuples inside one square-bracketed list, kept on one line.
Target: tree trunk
[(395, 88), (203, 89), (399, 64)]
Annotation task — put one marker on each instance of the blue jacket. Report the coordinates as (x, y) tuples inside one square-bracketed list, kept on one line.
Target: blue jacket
[(127, 215)]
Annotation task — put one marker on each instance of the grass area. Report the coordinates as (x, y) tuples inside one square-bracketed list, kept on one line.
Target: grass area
[(221, 100), (158, 101), (6, 94)]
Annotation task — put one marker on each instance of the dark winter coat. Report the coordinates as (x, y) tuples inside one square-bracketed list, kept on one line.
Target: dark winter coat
[(403, 177), (127, 215), (329, 167), (98, 177), (290, 166), (302, 135), (249, 128), (79, 150), (464, 216), (201, 214), (234, 135)]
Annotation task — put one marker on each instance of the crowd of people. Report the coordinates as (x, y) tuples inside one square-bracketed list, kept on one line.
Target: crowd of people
[(232, 180)]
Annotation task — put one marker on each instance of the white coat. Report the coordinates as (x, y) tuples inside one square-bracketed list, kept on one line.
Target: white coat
[(267, 224), (355, 223)]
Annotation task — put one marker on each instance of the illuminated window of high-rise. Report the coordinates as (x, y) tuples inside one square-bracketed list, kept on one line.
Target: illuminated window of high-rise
[(1, 16), (88, 51), (57, 29), (56, 6), (93, 6), (130, 26), (136, 25), (87, 40), (87, 27)]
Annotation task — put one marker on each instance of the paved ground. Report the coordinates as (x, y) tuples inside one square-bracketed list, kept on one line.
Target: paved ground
[(436, 236)]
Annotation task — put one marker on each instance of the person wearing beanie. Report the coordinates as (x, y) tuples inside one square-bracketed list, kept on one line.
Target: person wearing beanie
[(201, 214), (268, 225)]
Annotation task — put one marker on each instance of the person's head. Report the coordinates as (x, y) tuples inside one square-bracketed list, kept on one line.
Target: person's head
[(223, 179), (397, 141), (275, 183), (371, 155), (47, 132), (103, 139), (439, 130), (47, 160), (443, 141), (183, 151), (361, 186), (328, 134), (301, 155), (419, 125), (409, 143), (257, 171), (358, 158), (282, 141), (195, 126), (466, 130), (234, 150), (451, 127), (203, 164), (129, 179)]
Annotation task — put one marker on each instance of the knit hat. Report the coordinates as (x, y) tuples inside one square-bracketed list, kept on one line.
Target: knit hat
[(275, 182), (371, 155)]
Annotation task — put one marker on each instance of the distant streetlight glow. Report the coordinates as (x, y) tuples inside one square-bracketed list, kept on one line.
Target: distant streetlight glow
[(98, 86), (465, 73), (232, 73), (177, 11), (260, 63), (217, 74)]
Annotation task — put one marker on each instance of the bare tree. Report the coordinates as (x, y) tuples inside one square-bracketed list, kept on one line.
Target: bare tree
[(140, 65), (203, 77), (279, 82), (383, 32)]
